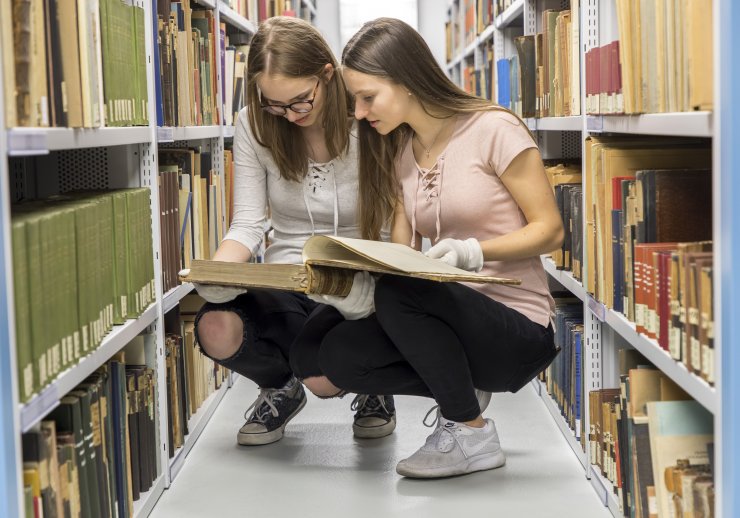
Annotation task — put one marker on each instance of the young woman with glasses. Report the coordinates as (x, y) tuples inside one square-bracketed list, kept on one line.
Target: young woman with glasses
[(295, 158)]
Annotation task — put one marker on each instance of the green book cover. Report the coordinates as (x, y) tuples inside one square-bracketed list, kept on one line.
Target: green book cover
[(22, 298), (105, 203), (50, 271), (119, 216), (39, 329)]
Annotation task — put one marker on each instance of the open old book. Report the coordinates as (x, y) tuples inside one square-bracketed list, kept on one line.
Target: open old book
[(330, 263)]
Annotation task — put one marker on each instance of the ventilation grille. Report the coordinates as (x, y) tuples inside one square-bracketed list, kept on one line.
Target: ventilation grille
[(83, 169)]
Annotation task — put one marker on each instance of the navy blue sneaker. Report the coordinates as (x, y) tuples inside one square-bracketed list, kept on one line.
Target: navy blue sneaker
[(273, 408), (375, 416)]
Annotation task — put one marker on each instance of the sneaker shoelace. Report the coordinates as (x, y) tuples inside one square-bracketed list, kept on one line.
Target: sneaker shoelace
[(264, 405), (368, 404)]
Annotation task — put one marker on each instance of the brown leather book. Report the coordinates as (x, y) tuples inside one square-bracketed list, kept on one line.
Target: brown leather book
[(330, 263)]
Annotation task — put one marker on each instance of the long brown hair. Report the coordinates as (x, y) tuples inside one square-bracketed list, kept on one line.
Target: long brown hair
[(393, 50), (294, 48)]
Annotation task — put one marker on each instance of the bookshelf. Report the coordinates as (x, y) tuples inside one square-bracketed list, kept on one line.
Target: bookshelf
[(177, 133), (689, 124), (39, 141), (123, 157), (606, 330)]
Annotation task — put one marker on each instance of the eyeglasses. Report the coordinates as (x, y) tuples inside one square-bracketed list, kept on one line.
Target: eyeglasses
[(297, 107)]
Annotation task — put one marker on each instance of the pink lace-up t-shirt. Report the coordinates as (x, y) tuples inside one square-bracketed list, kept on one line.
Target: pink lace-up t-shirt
[(462, 196)]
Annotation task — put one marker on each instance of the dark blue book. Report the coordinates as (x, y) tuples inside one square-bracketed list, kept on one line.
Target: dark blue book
[(617, 260)]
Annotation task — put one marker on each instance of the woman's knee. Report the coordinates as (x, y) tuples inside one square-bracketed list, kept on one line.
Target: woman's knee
[(220, 334), (337, 358), (393, 293), (321, 386)]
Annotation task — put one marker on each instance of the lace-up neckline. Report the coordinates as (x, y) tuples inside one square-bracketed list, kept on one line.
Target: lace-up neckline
[(317, 175), (429, 181)]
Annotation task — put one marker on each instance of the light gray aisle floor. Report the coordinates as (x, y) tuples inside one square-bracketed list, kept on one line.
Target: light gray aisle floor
[(319, 469)]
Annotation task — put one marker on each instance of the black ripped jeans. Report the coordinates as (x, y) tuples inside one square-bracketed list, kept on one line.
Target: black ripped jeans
[(437, 340), (272, 320)]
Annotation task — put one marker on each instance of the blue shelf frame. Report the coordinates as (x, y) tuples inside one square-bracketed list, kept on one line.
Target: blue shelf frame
[(728, 75)]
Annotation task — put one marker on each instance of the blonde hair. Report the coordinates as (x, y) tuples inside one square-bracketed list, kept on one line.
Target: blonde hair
[(393, 50), (294, 48)]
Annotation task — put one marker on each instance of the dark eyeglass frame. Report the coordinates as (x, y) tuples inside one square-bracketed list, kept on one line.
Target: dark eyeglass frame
[(282, 109)]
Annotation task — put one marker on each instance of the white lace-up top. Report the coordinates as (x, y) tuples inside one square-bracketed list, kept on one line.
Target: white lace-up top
[(325, 202)]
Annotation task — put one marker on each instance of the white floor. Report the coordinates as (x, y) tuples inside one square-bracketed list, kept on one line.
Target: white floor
[(319, 469)]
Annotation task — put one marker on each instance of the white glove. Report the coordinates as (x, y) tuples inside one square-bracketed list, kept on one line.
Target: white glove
[(359, 303), (214, 293), (466, 255)]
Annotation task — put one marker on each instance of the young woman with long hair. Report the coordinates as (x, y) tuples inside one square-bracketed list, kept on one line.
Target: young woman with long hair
[(466, 174)]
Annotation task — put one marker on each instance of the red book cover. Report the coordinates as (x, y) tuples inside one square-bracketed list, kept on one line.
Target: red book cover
[(617, 191), (604, 81), (637, 285), (664, 298)]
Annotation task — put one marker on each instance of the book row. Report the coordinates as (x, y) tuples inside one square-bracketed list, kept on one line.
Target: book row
[(259, 10), (195, 208), (648, 256), (185, 71), (189, 50), (191, 376), (542, 78), (82, 262), (649, 261), (659, 61), (468, 18), (648, 438), (74, 63), (653, 443), (96, 453), (564, 377)]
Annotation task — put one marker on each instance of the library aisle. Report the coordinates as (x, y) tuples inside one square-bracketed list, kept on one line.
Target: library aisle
[(319, 469)]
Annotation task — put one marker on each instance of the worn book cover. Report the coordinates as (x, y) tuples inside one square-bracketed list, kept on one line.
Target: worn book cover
[(329, 266)]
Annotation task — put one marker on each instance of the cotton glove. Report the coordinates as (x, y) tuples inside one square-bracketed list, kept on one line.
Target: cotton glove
[(214, 293), (466, 255), (359, 303)]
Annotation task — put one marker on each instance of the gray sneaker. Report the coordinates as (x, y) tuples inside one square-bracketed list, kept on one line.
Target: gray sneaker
[(455, 449), (375, 416), (273, 408)]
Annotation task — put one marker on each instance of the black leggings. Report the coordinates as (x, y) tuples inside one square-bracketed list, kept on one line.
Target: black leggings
[(272, 320), (437, 340)]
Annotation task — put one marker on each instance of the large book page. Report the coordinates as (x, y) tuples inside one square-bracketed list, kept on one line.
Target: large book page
[(378, 256)]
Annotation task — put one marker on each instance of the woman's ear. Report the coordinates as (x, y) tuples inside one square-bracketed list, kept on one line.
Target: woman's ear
[(328, 72)]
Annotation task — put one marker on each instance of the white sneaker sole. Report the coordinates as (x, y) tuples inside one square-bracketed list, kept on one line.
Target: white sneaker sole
[(374, 432), (471, 465), (258, 439)]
